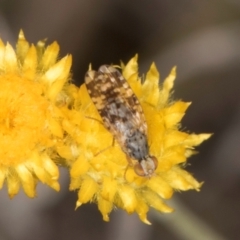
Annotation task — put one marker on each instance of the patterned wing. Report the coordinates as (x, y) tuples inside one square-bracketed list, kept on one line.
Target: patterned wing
[(115, 101)]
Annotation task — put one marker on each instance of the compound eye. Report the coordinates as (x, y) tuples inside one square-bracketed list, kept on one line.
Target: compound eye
[(139, 170), (155, 161)]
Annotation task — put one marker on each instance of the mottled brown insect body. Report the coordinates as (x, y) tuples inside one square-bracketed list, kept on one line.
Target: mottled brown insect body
[(122, 115)]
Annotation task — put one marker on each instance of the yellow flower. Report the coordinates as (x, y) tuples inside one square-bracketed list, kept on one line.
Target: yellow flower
[(101, 173), (45, 121), (32, 83)]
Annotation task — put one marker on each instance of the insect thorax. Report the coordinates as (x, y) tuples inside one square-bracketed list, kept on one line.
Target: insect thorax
[(136, 145)]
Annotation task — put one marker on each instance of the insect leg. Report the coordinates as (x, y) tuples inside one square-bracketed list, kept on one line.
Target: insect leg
[(94, 119), (103, 150)]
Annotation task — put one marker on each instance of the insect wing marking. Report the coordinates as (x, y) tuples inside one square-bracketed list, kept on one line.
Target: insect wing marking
[(115, 101), (125, 96)]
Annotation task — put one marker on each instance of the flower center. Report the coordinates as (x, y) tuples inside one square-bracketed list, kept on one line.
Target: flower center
[(22, 118)]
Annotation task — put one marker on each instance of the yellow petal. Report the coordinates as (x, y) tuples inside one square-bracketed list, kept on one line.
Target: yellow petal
[(171, 157), (136, 85), (65, 151), (151, 86), (49, 56), (10, 60), (2, 176), (27, 180), (13, 184), (22, 46), (80, 167), (167, 86), (131, 67), (109, 188), (128, 197), (196, 139), (75, 183), (174, 138), (30, 63), (55, 127), (57, 76), (181, 179), (50, 167), (2, 55), (105, 207), (142, 209), (87, 190), (162, 188), (175, 113), (155, 202)]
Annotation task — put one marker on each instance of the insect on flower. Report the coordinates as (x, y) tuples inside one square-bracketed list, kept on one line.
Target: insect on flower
[(122, 115)]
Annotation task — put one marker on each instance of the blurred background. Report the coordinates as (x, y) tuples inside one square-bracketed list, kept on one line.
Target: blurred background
[(203, 39)]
